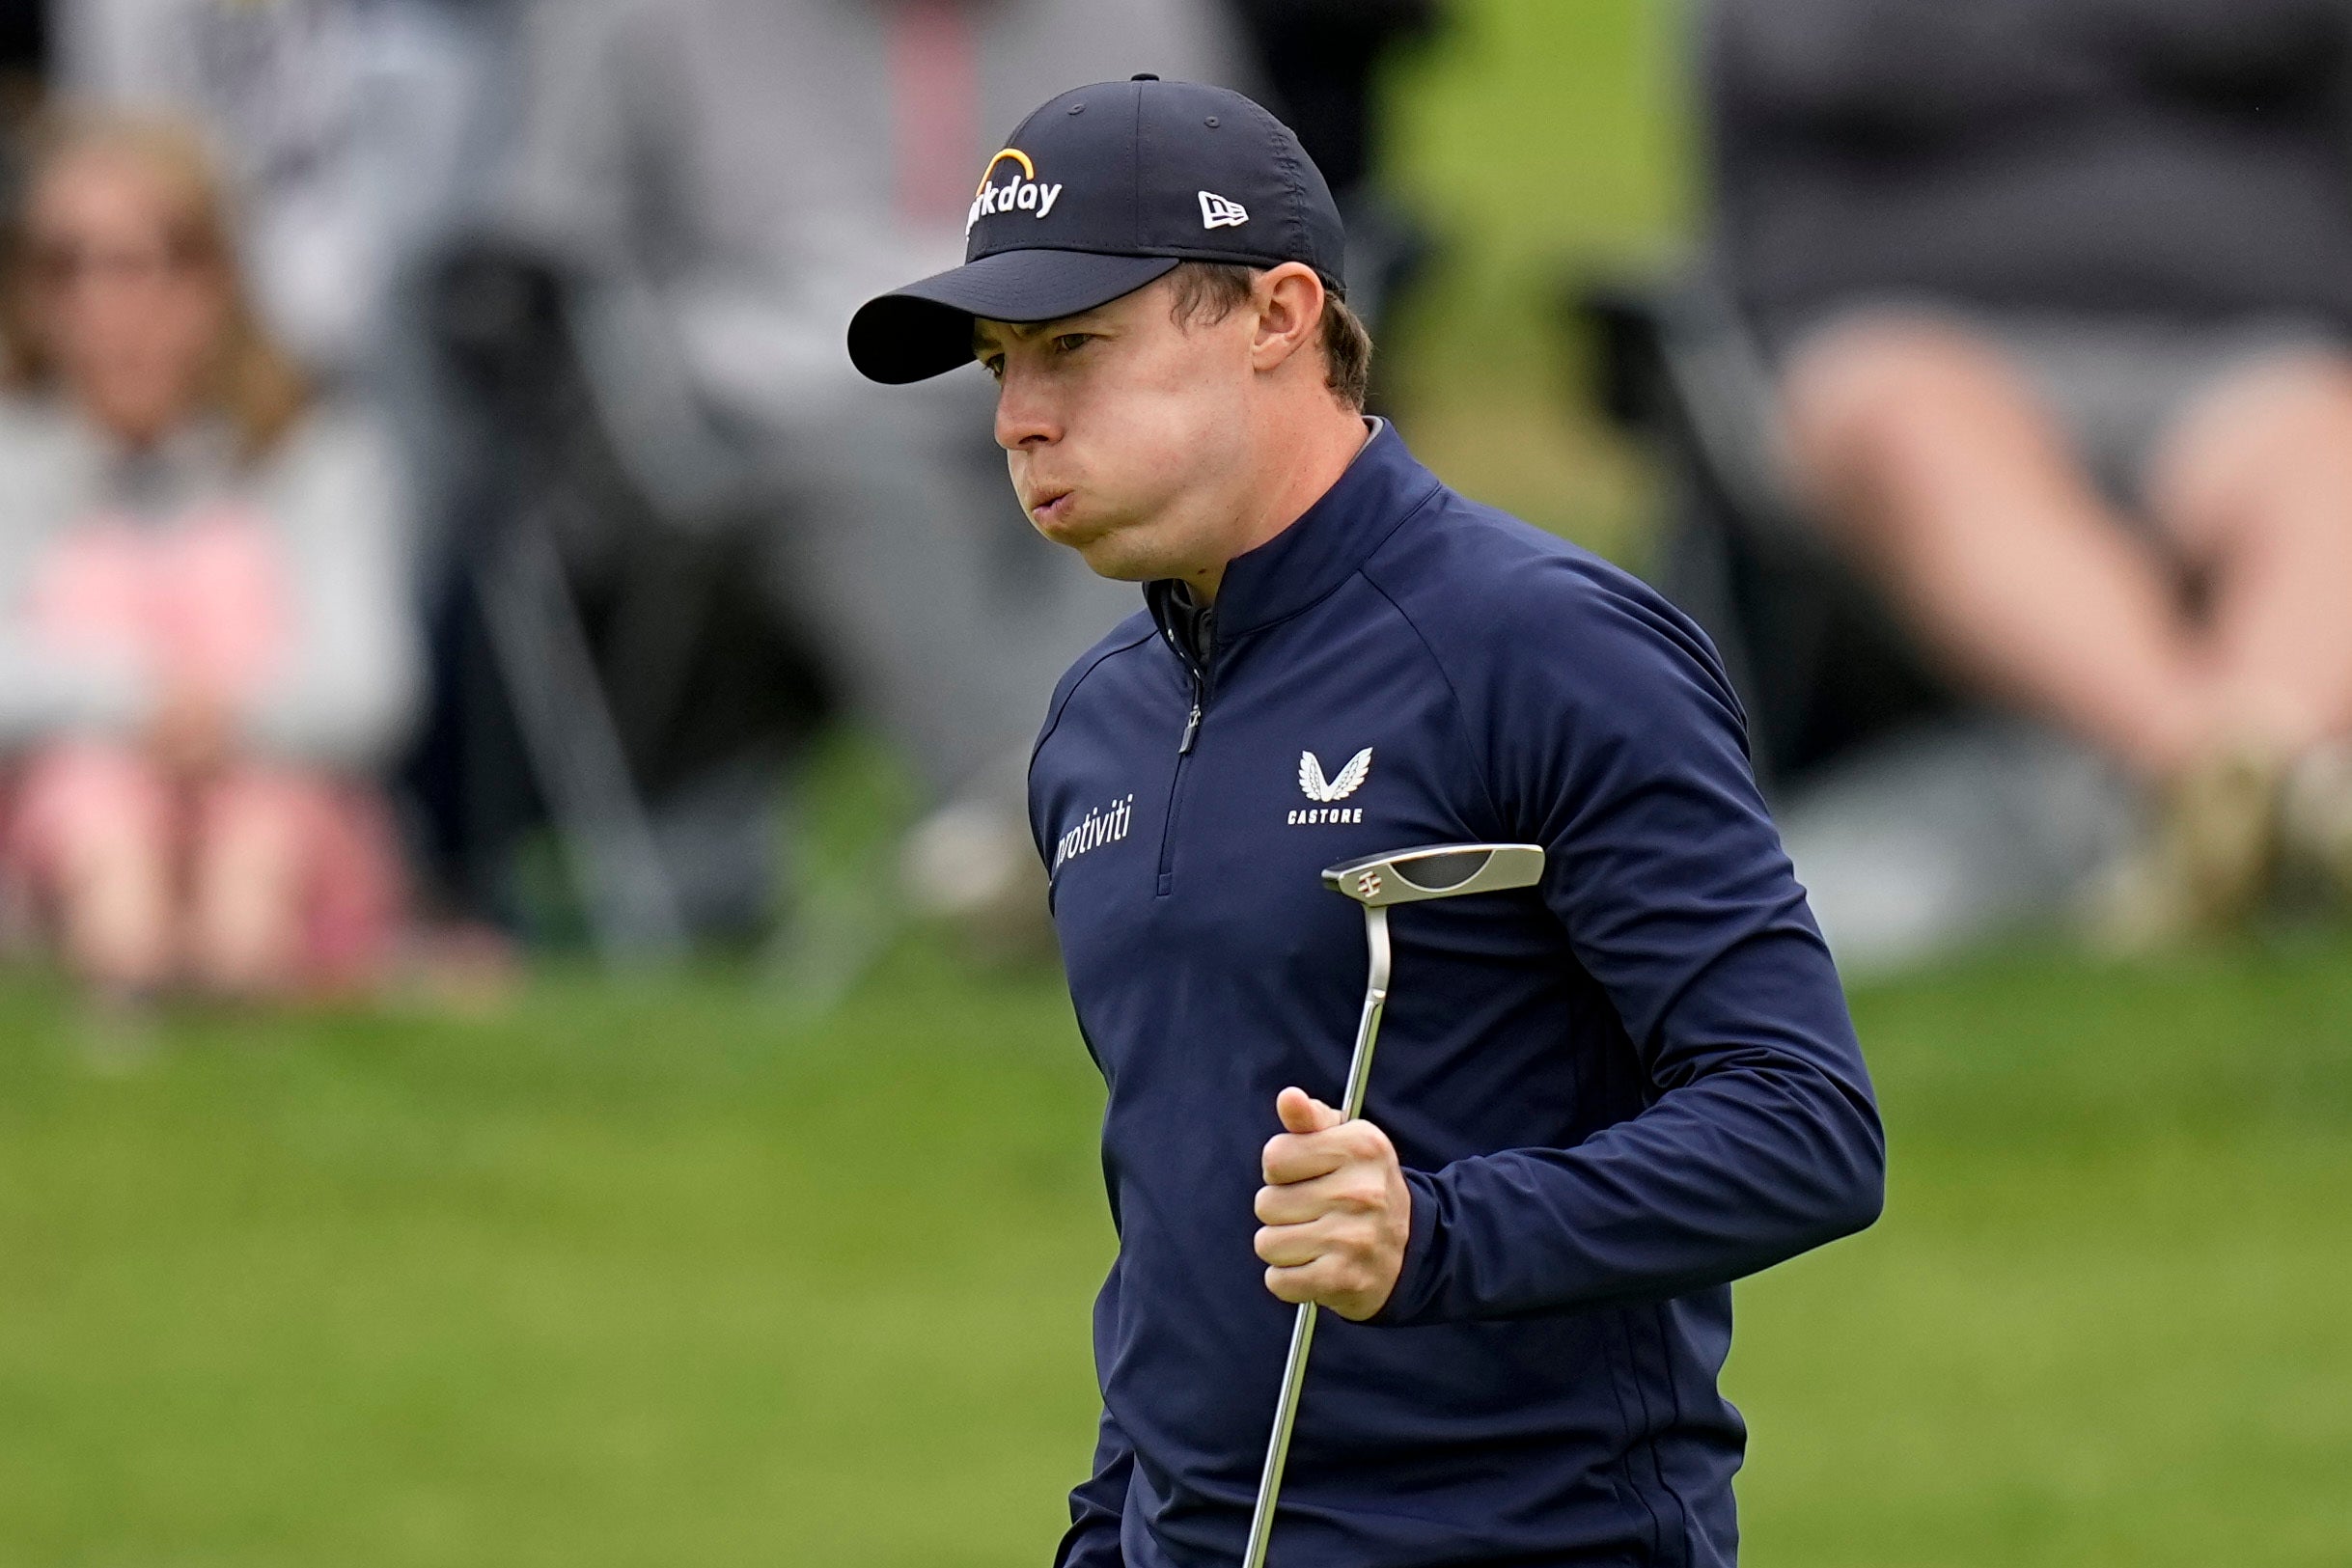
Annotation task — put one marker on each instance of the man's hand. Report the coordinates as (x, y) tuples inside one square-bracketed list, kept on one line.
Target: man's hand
[(1334, 1208)]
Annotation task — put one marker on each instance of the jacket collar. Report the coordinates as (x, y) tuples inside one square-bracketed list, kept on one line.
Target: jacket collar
[(1319, 551)]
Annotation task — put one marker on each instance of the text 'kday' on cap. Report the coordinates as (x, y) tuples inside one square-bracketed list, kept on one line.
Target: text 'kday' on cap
[(1098, 193)]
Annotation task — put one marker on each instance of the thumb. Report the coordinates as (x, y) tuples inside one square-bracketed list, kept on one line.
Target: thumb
[(1302, 1113)]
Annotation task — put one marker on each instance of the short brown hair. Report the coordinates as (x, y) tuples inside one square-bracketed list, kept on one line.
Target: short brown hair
[(1208, 292), (252, 381)]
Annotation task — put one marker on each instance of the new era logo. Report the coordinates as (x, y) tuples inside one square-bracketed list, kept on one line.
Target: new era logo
[(1216, 212)]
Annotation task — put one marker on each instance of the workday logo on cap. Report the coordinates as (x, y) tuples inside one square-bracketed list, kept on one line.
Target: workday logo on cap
[(1022, 193), (1158, 173)]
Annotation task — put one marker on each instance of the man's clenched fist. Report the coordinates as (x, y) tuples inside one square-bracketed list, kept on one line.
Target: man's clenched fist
[(1334, 1210)]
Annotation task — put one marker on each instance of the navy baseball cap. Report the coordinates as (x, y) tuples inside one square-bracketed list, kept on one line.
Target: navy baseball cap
[(1095, 195)]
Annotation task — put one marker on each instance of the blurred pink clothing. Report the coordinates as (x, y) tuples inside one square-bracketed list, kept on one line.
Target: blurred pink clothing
[(202, 600)]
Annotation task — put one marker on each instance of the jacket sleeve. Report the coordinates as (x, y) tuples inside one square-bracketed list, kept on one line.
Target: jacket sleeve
[(1619, 745), (1096, 1507), (1099, 1502)]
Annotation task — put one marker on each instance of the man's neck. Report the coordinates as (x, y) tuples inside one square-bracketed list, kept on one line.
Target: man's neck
[(1314, 457)]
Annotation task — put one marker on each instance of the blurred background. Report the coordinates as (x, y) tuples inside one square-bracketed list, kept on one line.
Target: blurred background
[(528, 1032)]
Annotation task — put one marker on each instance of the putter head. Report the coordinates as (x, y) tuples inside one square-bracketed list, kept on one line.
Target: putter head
[(1409, 876)]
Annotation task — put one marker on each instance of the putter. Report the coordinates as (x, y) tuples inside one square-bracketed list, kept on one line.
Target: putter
[(1404, 876)]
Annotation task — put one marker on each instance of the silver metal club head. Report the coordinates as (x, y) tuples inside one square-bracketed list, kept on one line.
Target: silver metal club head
[(1401, 876), (1408, 876)]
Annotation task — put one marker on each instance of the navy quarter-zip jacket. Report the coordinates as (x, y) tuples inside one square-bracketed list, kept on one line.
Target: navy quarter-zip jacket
[(1613, 1094)]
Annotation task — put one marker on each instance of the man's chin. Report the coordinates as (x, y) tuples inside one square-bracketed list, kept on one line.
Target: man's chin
[(1075, 530), (1109, 552), (1069, 529)]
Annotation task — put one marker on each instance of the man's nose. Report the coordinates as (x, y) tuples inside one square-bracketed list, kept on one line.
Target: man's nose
[(1024, 413)]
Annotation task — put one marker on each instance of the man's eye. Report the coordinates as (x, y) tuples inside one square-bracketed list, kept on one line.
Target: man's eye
[(1070, 342), (994, 365)]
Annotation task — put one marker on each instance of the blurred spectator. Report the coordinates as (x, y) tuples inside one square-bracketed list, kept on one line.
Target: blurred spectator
[(718, 184), (2061, 294), (348, 130), (354, 136), (1321, 59), (205, 643)]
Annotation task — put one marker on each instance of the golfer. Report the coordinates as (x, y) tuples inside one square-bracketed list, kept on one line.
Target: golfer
[(1599, 1101)]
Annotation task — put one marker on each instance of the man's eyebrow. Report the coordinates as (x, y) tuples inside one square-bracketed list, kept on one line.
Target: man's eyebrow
[(984, 333)]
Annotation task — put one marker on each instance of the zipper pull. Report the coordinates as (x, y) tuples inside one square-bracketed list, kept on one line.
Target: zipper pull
[(1192, 730)]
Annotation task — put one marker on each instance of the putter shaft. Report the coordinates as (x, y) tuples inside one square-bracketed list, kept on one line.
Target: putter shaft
[(1302, 1327)]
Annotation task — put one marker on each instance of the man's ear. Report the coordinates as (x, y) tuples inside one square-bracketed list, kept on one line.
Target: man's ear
[(1288, 300)]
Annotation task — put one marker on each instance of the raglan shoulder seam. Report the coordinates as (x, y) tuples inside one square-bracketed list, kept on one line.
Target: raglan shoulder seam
[(1053, 720), (1461, 708)]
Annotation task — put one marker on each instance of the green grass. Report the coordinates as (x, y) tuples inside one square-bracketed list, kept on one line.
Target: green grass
[(656, 1276), (629, 1277), (2105, 1318)]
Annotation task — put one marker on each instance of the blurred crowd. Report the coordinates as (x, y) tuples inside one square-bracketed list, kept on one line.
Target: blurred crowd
[(427, 436), (2007, 410), (427, 439)]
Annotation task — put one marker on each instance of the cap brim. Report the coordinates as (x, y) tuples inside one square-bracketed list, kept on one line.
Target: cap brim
[(925, 329)]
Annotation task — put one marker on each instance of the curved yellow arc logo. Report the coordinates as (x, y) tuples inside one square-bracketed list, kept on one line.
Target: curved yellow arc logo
[(1028, 169)]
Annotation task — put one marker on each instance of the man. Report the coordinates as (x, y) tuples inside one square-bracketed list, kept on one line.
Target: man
[(1599, 1101)]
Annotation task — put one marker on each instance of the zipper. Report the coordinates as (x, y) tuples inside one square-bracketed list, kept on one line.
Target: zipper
[(1175, 782)]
